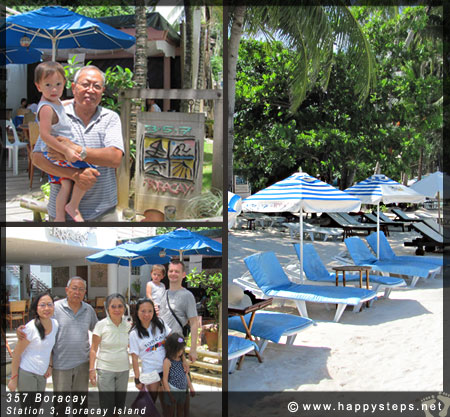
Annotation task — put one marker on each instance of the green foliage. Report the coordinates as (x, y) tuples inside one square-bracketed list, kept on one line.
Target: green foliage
[(212, 284), (70, 69), (332, 134), (116, 79)]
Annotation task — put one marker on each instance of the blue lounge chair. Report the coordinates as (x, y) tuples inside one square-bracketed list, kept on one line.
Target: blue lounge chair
[(315, 270), (237, 348), (387, 254), (270, 326), (361, 255), (273, 281)]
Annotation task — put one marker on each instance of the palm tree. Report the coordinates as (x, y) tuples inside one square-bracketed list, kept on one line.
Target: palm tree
[(314, 32)]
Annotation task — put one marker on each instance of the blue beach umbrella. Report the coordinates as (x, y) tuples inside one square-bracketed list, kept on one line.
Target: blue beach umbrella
[(124, 257), (379, 188), (300, 193), (19, 55), (234, 208), (178, 242), (55, 28)]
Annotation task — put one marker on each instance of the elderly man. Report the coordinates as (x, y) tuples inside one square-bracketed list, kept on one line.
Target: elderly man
[(98, 132)]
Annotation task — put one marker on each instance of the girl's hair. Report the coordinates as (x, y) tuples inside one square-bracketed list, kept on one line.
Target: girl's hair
[(160, 267), (111, 297), (34, 313), (44, 69), (174, 343), (155, 321)]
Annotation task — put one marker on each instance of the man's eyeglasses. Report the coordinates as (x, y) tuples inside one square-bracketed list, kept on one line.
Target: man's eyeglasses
[(77, 289), (87, 86), (43, 305)]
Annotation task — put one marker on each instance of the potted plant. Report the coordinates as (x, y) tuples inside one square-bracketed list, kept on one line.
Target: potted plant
[(212, 284), (136, 285)]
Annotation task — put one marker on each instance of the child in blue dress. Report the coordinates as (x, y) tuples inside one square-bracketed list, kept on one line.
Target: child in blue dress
[(176, 381)]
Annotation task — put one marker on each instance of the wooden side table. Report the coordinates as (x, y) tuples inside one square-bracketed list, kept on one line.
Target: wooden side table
[(248, 329), (352, 268)]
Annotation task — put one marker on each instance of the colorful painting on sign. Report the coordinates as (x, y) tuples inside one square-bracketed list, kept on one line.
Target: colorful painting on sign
[(172, 158)]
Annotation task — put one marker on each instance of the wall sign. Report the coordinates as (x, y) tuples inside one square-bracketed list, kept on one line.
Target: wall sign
[(169, 161)]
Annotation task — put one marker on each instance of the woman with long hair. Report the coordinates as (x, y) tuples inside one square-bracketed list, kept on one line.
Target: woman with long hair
[(147, 339), (31, 361)]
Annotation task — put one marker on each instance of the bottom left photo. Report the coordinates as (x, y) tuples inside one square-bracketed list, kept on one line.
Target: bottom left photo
[(112, 321)]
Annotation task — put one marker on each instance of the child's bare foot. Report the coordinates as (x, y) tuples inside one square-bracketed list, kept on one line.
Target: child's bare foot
[(74, 213)]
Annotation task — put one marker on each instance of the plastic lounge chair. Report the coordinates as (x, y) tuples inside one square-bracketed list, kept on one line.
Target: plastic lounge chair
[(430, 239), (386, 219), (315, 270), (310, 230), (237, 347), (386, 252), (273, 281), (361, 255), (271, 326), (354, 222)]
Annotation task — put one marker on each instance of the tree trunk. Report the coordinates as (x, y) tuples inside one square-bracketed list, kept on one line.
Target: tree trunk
[(233, 50), (419, 174), (187, 58), (201, 68)]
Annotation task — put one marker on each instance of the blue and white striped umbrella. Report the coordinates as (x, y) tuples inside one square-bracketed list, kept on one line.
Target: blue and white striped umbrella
[(297, 193), (379, 188), (234, 208)]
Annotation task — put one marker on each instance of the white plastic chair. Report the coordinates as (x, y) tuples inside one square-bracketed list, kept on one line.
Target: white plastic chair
[(13, 147)]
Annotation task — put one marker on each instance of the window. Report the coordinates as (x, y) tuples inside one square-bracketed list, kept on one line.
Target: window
[(135, 270)]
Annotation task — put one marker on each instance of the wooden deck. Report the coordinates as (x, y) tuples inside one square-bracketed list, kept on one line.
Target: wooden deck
[(18, 187)]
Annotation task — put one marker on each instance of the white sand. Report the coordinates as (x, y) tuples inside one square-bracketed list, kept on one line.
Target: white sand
[(396, 345)]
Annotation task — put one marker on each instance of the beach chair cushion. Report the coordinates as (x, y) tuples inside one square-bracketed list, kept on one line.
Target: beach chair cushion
[(361, 255), (271, 325), (238, 346), (386, 252), (315, 269), (273, 281)]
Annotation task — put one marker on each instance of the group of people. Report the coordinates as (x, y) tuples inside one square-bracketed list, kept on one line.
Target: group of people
[(56, 343)]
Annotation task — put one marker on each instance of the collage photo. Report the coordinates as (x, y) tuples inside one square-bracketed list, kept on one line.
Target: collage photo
[(216, 209)]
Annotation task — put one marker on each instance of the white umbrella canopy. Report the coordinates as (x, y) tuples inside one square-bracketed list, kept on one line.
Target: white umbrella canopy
[(380, 188), (435, 185), (300, 193)]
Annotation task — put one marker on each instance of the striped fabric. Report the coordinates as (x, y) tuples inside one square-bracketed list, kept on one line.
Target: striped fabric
[(234, 203), (298, 192), (103, 131), (379, 188)]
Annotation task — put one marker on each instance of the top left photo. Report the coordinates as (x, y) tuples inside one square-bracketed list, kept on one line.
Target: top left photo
[(112, 114)]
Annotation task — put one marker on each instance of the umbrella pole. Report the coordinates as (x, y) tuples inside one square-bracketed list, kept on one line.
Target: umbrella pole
[(378, 230), (439, 211), (129, 280), (301, 244), (53, 49)]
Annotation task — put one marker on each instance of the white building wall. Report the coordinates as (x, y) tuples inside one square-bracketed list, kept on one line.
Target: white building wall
[(16, 85)]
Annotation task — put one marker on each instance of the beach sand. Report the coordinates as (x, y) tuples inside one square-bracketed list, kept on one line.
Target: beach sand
[(395, 345)]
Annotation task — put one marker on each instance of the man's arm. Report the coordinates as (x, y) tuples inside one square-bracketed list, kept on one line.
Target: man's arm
[(84, 178), (193, 321), (110, 157)]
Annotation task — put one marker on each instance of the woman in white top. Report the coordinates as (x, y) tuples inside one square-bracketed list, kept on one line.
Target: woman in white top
[(147, 343), (31, 362), (109, 349)]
